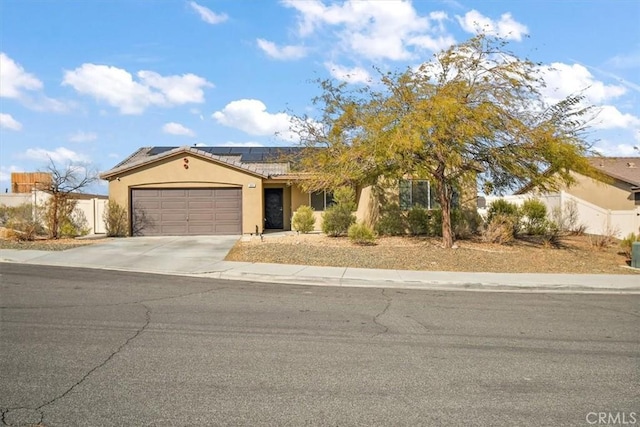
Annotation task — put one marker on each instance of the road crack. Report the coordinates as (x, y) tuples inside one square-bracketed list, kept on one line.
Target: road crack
[(377, 316), (40, 409)]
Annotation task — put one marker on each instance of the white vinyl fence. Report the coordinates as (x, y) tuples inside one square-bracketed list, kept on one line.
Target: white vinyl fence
[(597, 220), (93, 209)]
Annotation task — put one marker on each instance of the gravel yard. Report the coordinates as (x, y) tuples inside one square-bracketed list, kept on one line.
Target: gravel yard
[(576, 255)]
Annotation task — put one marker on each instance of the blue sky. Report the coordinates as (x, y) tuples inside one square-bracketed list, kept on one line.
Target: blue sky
[(92, 81)]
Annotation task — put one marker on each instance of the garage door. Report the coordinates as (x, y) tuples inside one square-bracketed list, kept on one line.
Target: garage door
[(186, 211)]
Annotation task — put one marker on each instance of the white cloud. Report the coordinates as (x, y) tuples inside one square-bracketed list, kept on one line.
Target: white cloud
[(607, 148), (207, 15), (177, 90), (508, 28), (350, 75), (373, 29), (14, 79), (59, 155), (16, 83), (5, 172), (251, 116), (177, 129), (8, 122), (563, 80), (282, 53), (81, 136), (609, 117), (118, 88)]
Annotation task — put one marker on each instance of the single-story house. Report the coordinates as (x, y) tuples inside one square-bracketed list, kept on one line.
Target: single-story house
[(222, 190), (623, 190), (603, 206)]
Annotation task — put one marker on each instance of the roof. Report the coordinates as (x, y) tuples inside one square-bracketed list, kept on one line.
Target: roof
[(262, 161), (626, 169)]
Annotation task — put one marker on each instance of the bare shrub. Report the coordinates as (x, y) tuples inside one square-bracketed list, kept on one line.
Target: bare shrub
[(604, 240), (567, 219), (115, 219)]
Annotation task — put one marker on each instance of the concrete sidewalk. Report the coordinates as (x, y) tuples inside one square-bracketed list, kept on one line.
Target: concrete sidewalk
[(203, 256)]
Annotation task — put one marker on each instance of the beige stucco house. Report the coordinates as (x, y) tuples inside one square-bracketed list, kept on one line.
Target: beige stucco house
[(209, 190), (223, 190), (622, 192), (609, 206)]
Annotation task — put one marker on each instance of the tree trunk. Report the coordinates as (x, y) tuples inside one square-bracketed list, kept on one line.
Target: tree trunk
[(444, 197), (53, 232)]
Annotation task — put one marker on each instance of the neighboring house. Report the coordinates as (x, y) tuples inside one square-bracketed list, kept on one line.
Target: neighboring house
[(623, 190), (604, 207), (216, 190)]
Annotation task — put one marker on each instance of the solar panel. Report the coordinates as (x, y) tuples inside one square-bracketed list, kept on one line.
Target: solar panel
[(159, 150)]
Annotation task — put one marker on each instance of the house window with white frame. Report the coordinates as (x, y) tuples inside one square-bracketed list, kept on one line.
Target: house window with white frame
[(418, 192), (321, 200)]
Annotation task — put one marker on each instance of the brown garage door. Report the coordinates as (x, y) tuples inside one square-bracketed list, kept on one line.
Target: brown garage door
[(186, 211)]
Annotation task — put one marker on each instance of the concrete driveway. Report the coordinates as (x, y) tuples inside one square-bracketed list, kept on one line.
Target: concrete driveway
[(167, 254)]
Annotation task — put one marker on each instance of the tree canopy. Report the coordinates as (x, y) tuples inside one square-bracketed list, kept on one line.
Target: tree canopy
[(475, 111)]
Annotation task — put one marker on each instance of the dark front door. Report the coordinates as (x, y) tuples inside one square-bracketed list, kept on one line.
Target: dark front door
[(273, 208)]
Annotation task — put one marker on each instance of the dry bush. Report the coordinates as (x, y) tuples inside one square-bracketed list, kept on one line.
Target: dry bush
[(22, 221), (604, 240), (499, 230), (567, 219), (115, 219)]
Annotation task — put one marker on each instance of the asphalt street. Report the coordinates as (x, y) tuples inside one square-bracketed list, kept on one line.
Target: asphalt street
[(82, 347)]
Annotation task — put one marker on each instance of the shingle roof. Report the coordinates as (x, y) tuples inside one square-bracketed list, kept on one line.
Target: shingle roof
[(626, 169), (262, 161)]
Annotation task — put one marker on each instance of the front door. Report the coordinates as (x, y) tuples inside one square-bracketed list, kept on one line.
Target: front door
[(273, 208)]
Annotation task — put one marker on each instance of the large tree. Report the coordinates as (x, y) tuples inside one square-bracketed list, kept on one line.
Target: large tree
[(474, 110)]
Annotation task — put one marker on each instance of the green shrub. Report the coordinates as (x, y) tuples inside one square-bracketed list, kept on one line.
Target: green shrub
[(465, 222), (502, 207), (303, 219), (534, 217), (391, 221), (627, 244), (361, 234), (115, 219), (435, 223), (418, 221), (74, 224), (337, 219), (345, 197)]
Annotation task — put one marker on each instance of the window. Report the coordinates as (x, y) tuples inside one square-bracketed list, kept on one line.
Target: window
[(417, 192), (321, 200)]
